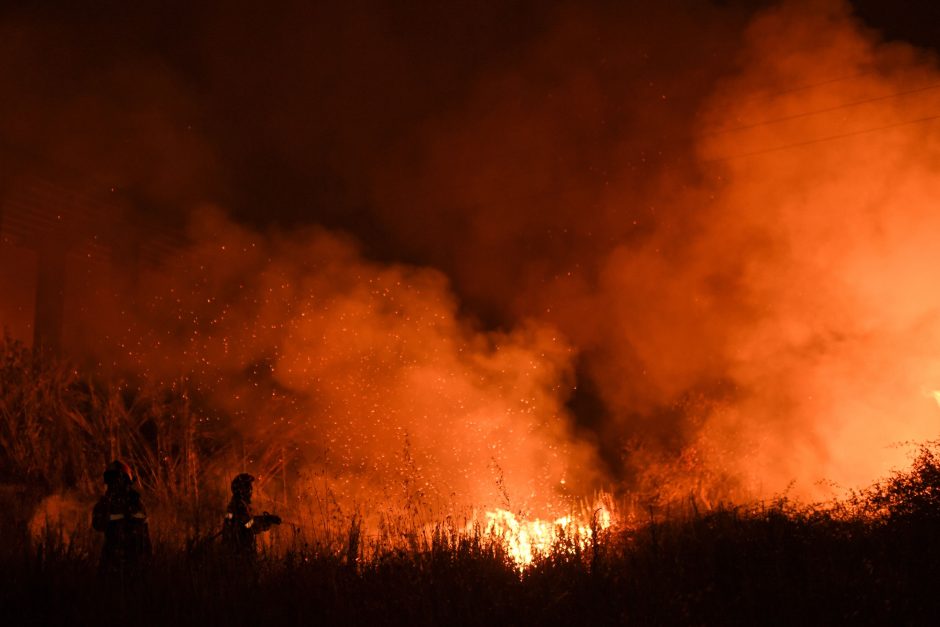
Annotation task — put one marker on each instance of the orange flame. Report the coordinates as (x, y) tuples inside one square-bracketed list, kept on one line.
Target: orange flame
[(526, 539)]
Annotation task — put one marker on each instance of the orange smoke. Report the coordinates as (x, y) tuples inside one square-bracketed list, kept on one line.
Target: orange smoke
[(364, 372), (838, 181), (761, 305), (673, 248)]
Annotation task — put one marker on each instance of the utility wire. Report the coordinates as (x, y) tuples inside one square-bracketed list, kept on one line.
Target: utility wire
[(822, 83), (820, 140), (805, 114), (32, 155), (544, 193)]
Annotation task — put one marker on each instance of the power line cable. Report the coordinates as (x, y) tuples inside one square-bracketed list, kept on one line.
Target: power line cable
[(805, 114), (820, 140), (38, 159), (822, 83)]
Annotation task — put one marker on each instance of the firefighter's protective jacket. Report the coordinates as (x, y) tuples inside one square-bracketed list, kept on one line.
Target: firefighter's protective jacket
[(241, 526), (121, 516)]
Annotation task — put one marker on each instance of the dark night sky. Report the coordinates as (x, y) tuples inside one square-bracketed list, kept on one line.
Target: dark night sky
[(285, 116)]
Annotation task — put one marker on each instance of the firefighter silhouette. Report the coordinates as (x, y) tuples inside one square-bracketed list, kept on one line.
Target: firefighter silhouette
[(121, 516), (241, 525)]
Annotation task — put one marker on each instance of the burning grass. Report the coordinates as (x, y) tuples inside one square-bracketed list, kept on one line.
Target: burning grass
[(777, 564), (873, 557)]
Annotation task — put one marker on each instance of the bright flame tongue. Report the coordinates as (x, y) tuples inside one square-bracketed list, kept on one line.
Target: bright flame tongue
[(525, 539)]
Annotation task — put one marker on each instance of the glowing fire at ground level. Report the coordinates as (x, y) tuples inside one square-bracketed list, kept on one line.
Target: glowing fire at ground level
[(526, 539)]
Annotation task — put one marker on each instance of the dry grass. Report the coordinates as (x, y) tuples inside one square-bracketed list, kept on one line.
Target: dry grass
[(873, 558), (777, 565), (59, 428)]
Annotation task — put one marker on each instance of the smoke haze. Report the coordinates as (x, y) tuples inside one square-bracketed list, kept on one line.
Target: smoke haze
[(671, 249), (363, 370)]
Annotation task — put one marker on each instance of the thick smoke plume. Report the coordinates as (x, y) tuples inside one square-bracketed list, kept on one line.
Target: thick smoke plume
[(764, 309), (829, 192), (684, 248), (758, 308), (361, 372)]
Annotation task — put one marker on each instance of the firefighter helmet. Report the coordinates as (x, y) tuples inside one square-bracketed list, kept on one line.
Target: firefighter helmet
[(242, 483), (116, 469)]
